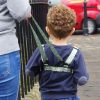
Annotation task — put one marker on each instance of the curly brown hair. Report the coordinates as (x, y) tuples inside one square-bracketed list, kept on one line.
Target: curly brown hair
[(61, 20)]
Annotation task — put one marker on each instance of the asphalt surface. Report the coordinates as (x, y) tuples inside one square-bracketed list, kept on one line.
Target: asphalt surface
[(90, 46)]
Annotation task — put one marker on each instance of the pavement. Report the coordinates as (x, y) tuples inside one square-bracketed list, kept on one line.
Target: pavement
[(90, 46)]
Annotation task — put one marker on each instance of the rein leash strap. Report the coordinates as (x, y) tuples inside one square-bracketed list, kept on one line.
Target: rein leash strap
[(43, 54), (47, 41)]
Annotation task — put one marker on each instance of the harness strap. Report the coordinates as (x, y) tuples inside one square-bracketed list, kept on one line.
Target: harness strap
[(64, 68), (57, 68), (71, 56), (42, 52), (46, 40)]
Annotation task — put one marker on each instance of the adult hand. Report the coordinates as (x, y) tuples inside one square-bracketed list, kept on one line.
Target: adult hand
[(29, 16)]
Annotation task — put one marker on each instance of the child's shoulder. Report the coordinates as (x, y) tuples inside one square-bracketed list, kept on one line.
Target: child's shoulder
[(73, 46)]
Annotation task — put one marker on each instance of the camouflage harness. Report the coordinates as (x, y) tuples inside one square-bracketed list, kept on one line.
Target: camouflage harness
[(47, 67)]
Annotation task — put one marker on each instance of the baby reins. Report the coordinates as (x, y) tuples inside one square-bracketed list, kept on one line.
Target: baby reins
[(39, 44), (47, 67)]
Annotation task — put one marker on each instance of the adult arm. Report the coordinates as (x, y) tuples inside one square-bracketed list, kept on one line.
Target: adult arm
[(19, 9)]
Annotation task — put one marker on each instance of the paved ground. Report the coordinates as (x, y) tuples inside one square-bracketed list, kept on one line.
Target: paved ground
[(90, 45)]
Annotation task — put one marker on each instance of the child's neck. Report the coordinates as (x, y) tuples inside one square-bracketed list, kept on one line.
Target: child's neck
[(57, 41)]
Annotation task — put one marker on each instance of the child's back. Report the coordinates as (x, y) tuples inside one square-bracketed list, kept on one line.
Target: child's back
[(56, 80)]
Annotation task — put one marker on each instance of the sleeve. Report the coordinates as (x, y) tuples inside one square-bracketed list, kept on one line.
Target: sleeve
[(34, 63), (19, 9), (80, 73)]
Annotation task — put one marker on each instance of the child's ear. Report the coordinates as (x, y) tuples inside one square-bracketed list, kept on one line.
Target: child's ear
[(73, 30), (47, 29)]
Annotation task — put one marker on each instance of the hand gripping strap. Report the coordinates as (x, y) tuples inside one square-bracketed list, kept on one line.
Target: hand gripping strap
[(71, 56)]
